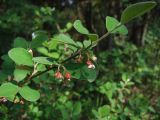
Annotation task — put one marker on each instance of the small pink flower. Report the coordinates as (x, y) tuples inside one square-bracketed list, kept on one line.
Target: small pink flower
[(67, 75), (90, 64), (58, 75)]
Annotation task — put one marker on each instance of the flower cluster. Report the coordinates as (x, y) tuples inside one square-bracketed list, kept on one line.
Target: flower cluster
[(59, 75)]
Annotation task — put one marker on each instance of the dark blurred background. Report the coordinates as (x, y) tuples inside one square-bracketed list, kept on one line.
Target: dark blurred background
[(22, 17)]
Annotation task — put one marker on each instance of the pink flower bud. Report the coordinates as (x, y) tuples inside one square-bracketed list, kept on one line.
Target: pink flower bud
[(58, 75), (67, 75)]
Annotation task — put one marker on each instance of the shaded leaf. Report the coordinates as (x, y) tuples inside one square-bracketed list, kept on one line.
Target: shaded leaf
[(20, 74), (77, 108), (38, 38), (65, 39), (136, 10), (20, 42), (89, 74), (43, 60)]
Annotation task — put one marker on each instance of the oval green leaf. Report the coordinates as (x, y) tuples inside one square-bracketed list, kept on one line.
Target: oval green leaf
[(136, 10), (112, 23), (8, 90), (29, 94), (21, 56), (80, 28)]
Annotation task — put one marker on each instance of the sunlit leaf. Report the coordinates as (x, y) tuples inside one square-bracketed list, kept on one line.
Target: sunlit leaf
[(8, 90), (112, 23), (29, 94), (21, 56), (80, 28)]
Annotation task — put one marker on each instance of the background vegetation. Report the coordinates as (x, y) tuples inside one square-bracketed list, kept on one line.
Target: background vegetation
[(128, 83)]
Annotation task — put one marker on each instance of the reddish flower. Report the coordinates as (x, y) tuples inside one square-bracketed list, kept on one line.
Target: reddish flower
[(90, 64), (67, 75), (58, 75)]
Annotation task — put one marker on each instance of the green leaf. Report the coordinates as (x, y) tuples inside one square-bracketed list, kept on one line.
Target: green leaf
[(20, 42), (104, 110), (29, 94), (80, 28), (86, 43), (42, 50), (136, 10), (8, 90), (20, 74), (45, 52), (112, 23), (43, 60), (65, 39), (93, 37), (79, 44), (41, 67), (54, 55), (77, 109), (21, 56), (38, 38), (52, 44)]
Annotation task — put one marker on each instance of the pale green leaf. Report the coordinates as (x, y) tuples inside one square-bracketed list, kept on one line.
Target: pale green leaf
[(112, 23), (29, 94), (8, 90), (80, 28), (21, 56)]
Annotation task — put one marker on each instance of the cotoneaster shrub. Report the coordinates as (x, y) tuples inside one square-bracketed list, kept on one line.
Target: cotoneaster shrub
[(54, 63)]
